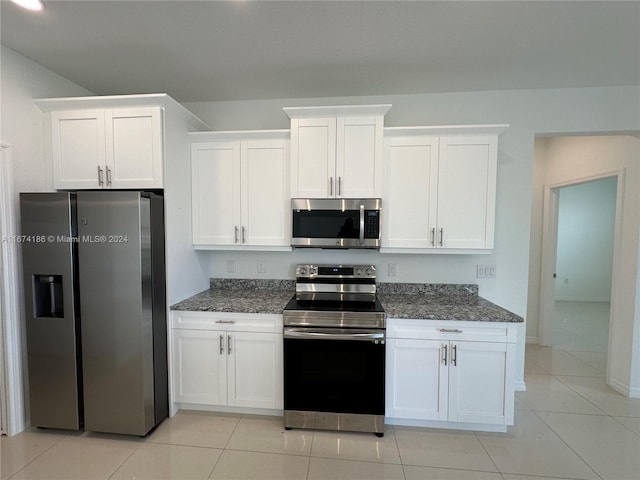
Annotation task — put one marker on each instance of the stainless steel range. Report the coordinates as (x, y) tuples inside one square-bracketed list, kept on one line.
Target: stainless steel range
[(334, 350)]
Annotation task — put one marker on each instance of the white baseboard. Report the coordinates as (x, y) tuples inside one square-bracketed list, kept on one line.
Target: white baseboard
[(624, 389), (583, 299), (520, 386)]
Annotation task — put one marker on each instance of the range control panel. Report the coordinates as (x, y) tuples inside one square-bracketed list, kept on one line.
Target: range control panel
[(336, 271)]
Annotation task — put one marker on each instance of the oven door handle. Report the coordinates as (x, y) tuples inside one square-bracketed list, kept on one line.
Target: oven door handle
[(361, 224), (317, 335)]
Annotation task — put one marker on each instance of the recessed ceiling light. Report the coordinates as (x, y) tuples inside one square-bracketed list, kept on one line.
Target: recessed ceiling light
[(35, 5)]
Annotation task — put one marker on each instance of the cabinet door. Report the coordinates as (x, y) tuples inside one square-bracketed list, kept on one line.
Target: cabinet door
[(466, 195), (265, 206), (78, 152), (134, 148), (410, 192), (477, 377), (313, 155), (255, 370), (417, 380), (199, 367), (215, 184), (358, 157)]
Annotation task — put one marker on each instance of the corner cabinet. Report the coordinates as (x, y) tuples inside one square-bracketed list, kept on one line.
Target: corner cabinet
[(240, 194), (226, 360), (450, 374), (440, 188), (336, 152)]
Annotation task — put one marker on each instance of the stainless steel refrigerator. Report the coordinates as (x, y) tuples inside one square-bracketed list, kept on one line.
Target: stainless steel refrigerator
[(94, 274)]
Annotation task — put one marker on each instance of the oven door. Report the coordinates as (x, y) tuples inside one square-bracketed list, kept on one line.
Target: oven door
[(334, 370)]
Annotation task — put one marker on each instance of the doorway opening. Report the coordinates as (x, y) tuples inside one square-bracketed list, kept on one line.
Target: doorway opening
[(583, 270), (581, 218)]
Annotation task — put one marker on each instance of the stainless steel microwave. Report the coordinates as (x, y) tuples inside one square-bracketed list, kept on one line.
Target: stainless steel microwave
[(336, 222)]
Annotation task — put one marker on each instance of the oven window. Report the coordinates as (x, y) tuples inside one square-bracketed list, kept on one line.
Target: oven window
[(326, 224), (334, 376)]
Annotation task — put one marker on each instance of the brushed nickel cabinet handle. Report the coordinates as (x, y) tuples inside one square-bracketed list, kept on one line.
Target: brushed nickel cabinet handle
[(108, 176), (228, 344), (450, 330), (225, 321), (339, 186), (331, 186), (100, 180), (235, 237), (454, 356), (221, 344), (433, 237), (244, 239), (444, 358), (441, 236)]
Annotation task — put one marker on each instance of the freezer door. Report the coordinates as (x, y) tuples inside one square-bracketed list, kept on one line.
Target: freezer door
[(116, 311), (50, 288)]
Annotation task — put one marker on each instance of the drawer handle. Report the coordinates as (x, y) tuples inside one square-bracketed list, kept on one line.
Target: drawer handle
[(225, 321), (450, 330)]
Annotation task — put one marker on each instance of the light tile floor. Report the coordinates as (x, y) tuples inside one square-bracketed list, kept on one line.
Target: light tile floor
[(569, 425)]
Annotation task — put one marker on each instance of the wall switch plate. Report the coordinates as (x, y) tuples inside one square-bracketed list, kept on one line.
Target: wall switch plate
[(393, 269), (485, 271), (231, 266), (262, 266)]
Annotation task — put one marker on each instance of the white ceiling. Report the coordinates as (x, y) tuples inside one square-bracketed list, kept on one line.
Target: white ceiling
[(230, 50)]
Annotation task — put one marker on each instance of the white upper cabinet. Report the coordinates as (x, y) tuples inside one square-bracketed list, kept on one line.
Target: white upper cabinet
[(117, 141), (439, 189), (107, 148), (466, 191), (240, 194), (336, 152)]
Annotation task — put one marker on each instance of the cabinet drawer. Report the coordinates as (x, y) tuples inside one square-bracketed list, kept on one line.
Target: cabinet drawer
[(451, 330), (234, 322)]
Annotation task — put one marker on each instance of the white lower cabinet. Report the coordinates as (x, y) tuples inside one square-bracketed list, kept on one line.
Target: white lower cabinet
[(450, 374), (227, 360)]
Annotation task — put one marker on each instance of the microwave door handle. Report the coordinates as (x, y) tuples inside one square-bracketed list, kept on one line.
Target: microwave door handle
[(361, 224)]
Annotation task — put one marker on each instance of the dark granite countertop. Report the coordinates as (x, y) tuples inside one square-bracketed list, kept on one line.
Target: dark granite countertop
[(443, 307), (419, 301), (242, 296)]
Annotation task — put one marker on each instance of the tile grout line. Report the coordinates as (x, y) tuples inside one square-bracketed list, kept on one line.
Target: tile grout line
[(580, 394), (34, 458), (568, 446), (487, 452)]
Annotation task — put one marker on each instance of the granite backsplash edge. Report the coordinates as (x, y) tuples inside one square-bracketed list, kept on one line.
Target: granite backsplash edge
[(448, 289)]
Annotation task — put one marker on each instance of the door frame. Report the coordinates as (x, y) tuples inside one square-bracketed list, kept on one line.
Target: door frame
[(550, 247), (11, 362)]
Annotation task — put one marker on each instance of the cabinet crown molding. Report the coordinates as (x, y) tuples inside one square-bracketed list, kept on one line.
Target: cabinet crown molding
[(238, 135), (489, 129), (47, 105), (336, 111)]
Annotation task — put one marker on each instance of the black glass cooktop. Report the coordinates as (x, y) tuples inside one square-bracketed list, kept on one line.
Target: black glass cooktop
[(333, 306)]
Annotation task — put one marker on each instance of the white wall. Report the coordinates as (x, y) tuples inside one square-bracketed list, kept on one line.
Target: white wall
[(586, 217), (529, 112)]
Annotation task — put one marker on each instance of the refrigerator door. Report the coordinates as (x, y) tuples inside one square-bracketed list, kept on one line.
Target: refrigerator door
[(116, 290), (50, 286)]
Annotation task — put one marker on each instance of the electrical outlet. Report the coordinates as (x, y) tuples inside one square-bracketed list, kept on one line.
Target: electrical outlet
[(485, 271), (231, 266), (262, 266), (393, 269)]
